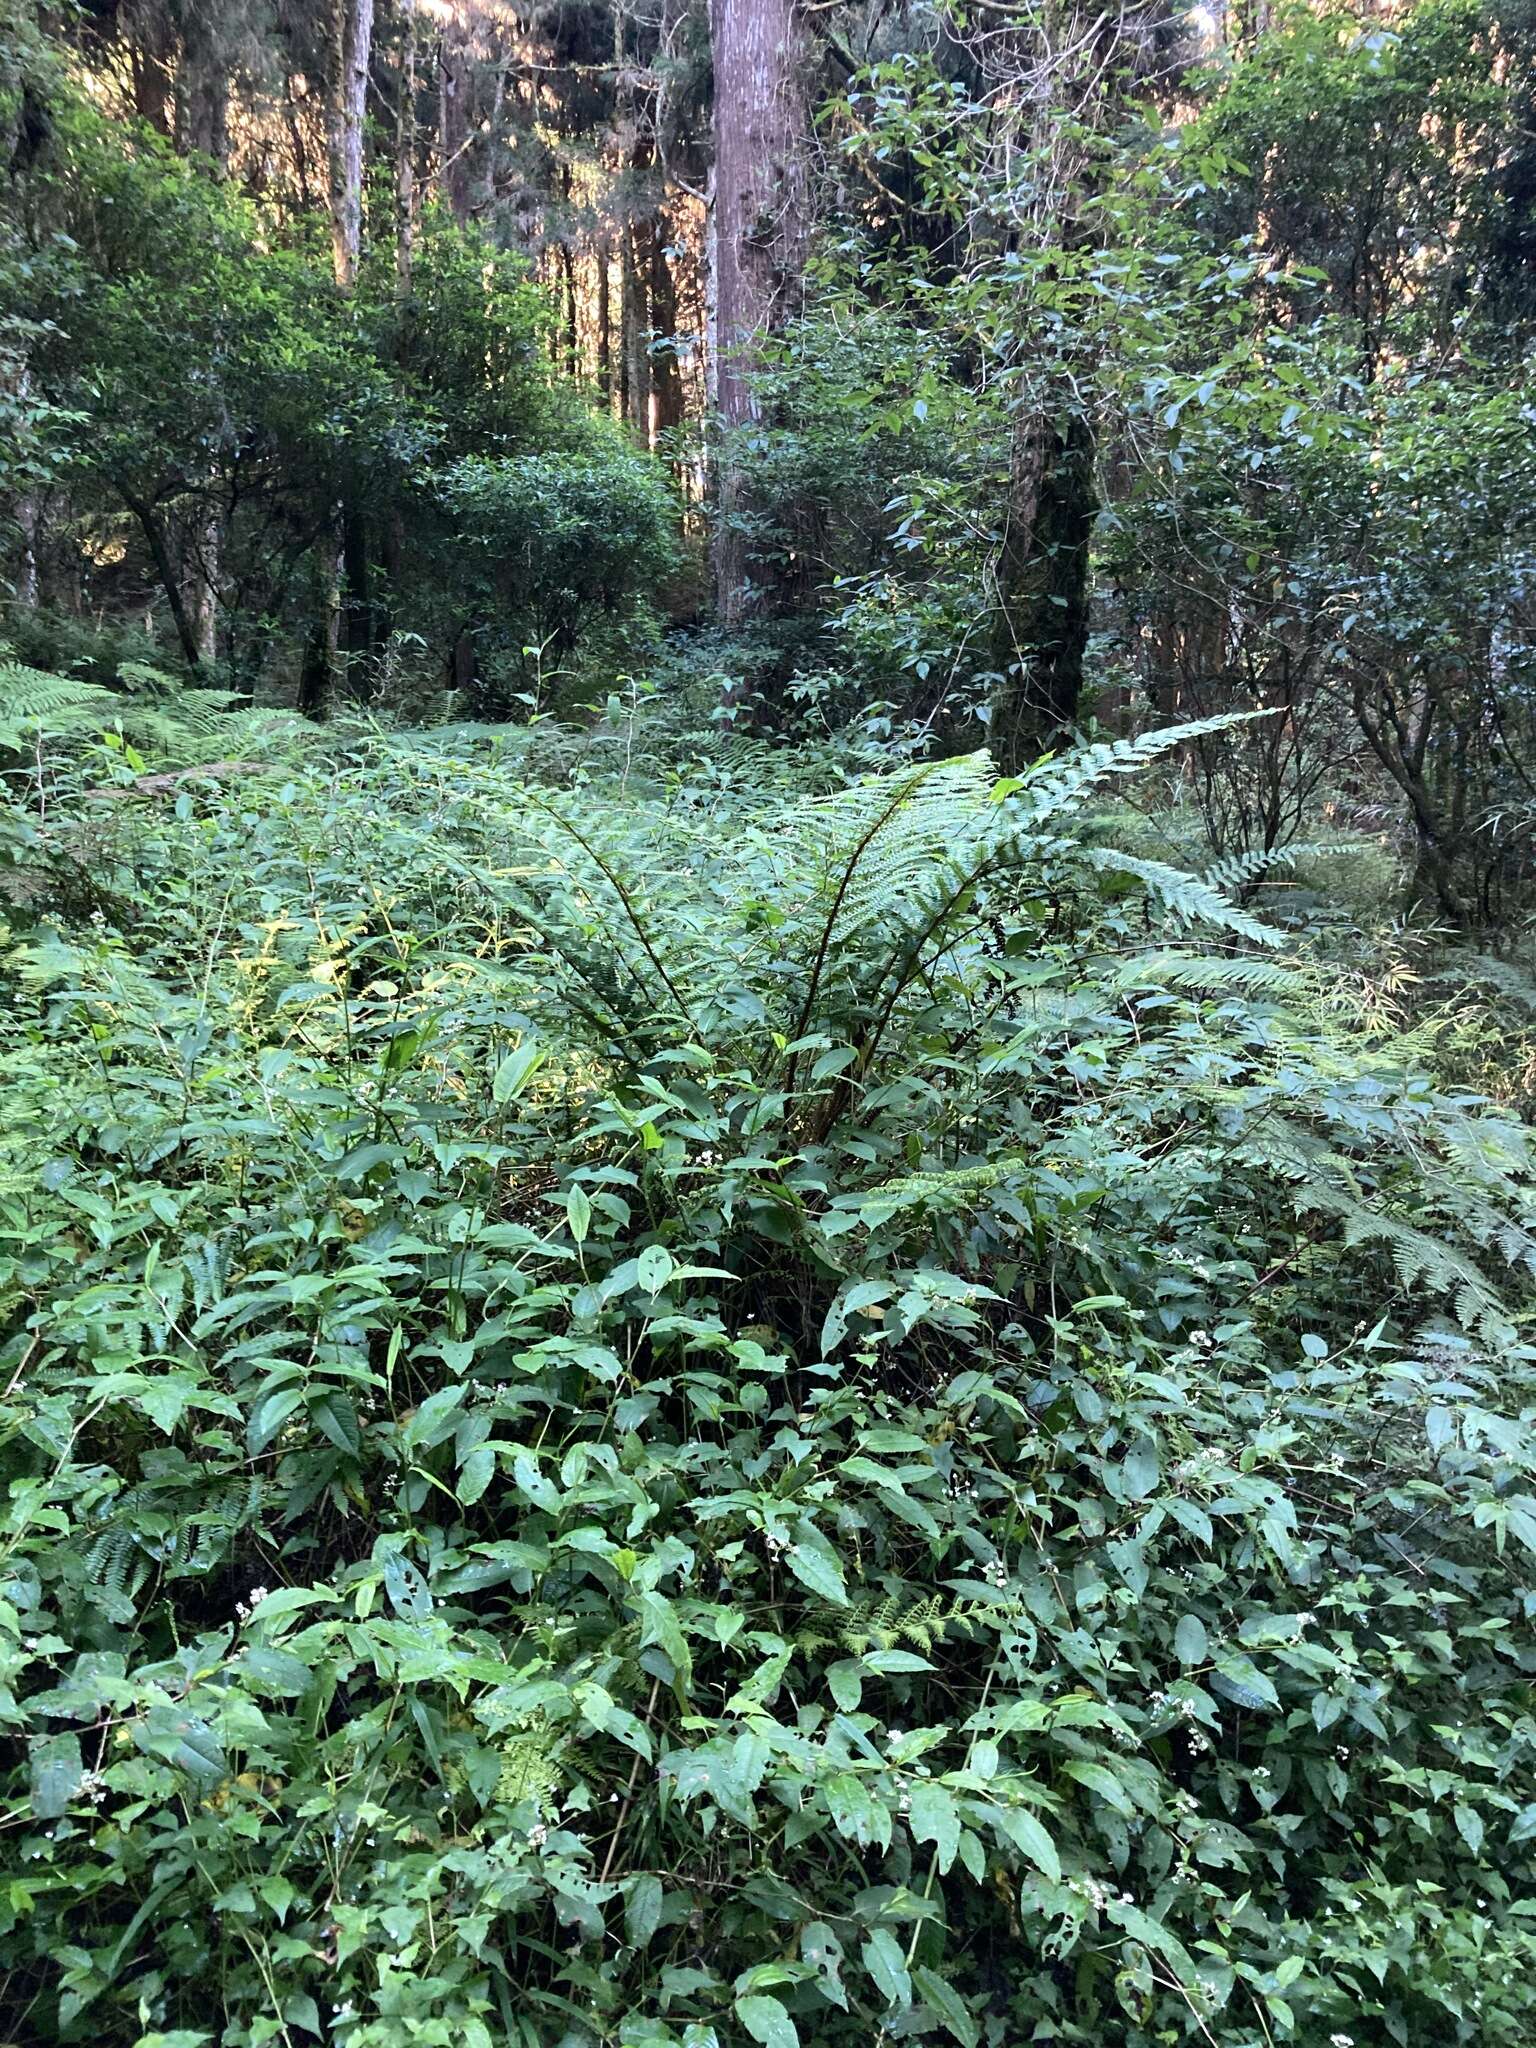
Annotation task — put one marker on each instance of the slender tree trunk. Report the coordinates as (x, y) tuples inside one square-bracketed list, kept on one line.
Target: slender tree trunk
[(759, 231), (405, 153), (28, 581), (165, 569), (454, 85), (572, 338), (351, 53), (626, 314), (666, 375), (346, 622), (637, 277), (604, 325), (202, 96), (204, 607)]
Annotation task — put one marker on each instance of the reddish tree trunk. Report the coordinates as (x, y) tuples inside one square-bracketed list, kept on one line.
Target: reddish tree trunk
[(405, 152)]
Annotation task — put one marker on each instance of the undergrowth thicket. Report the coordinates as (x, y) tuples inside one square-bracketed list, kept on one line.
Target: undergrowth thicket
[(720, 1400)]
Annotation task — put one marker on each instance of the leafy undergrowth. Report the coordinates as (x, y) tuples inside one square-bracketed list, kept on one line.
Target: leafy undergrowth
[(687, 1412)]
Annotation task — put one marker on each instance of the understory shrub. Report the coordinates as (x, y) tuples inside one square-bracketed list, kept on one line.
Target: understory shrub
[(647, 1408)]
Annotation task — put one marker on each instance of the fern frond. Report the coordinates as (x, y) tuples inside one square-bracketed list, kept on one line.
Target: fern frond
[(1061, 783), (1240, 871), (1185, 896), (1210, 973), (35, 704)]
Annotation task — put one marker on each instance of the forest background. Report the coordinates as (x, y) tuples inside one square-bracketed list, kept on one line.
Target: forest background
[(767, 1212)]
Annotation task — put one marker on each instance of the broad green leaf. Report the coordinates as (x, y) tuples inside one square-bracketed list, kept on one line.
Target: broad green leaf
[(517, 1070), (1240, 1680), (642, 1909), (654, 1268), (814, 1564), (951, 2008), (1029, 1838), (659, 1625), (57, 1774), (767, 2021), (476, 1474), (1189, 1640), (887, 1965), (935, 1818)]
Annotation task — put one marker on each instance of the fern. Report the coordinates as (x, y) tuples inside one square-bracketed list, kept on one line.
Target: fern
[(35, 705), (530, 1769), (171, 725), (1217, 973), (1187, 897), (1239, 871)]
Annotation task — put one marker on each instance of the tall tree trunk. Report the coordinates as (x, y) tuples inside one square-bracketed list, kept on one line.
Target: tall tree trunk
[(759, 231), (405, 153), (571, 336), (1041, 611), (165, 569), (604, 324), (453, 96), (28, 580), (637, 278), (351, 53), (346, 622), (207, 559), (202, 94), (666, 373)]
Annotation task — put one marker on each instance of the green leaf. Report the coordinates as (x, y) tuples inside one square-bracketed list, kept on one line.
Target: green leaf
[(887, 1966), (517, 1070), (407, 1589), (1469, 1825), (654, 1268), (951, 2008), (183, 1740), (767, 2021), (814, 1564), (659, 1625), (533, 1484), (642, 1909), (935, 1818), (1100, 1779), (1190, 1644), (1238, 1679), (269, 1415), (578, 1213), (845, 1681), (476, 1474), (57, 1774), (165, 1401), (1029, 1838), (338, 1420)]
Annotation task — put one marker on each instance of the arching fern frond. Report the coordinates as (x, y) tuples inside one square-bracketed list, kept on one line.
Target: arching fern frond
[(1185, 896)]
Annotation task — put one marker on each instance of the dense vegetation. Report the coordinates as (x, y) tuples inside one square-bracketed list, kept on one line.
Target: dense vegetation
[(767, 1203)]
